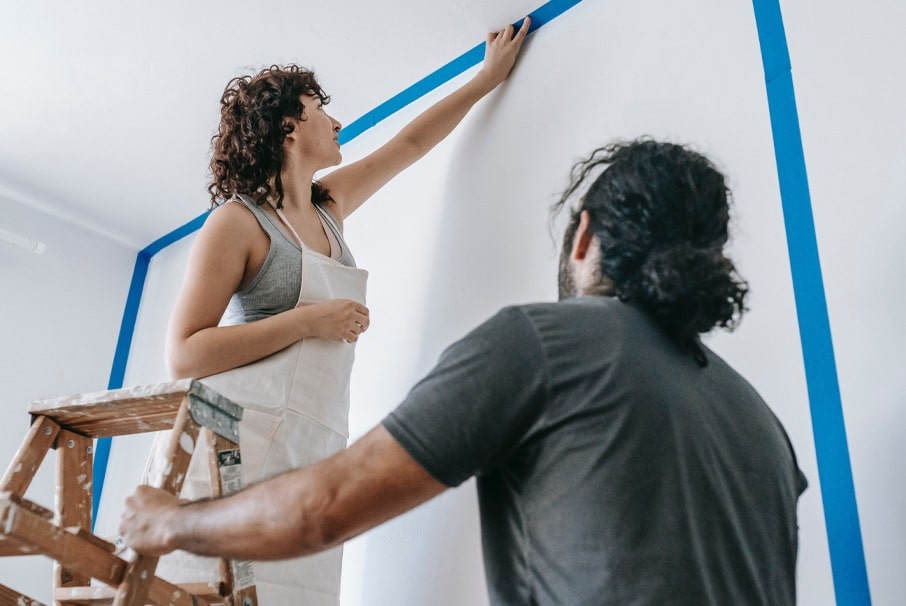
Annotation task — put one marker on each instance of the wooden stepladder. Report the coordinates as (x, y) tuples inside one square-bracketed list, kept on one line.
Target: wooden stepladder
[(196, 414)]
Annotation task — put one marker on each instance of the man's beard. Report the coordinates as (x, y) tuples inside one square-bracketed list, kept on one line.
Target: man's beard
[(592, 285), (566, 283)]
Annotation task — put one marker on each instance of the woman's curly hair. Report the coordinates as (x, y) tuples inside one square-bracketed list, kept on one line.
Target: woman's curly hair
[(660, 212), (247, 151)]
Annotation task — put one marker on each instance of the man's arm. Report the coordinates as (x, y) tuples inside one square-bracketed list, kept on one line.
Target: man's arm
[(297, 513)]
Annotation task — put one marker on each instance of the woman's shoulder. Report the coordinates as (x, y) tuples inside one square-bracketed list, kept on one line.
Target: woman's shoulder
[(233, 221)]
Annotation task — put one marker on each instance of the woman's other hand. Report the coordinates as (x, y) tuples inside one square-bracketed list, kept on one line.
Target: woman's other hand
[(337, 319)]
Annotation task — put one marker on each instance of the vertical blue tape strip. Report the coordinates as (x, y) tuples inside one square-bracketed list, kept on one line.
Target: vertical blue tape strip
[(543, 15), (124, 343), (834, 468), (118, 371)]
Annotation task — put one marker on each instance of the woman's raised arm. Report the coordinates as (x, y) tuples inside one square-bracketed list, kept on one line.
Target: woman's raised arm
[(351, 185)]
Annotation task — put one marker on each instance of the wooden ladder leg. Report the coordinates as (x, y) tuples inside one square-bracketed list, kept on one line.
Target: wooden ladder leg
[(11, 596), (40, 438), (73, 499), (16, 480), (225, 464), (133, 591)]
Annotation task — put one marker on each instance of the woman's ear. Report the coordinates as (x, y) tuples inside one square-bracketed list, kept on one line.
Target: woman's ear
[(287, 122)]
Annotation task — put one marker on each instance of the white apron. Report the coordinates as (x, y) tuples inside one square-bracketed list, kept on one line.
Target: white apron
[(296, 408)]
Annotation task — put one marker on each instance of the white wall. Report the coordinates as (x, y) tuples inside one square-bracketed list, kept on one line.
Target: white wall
[(466, 235), (470, 236), (465, 232), (60, 315), (848, 61)]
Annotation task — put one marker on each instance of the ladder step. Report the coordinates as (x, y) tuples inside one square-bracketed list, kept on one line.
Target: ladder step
[(67, 424), (117, 412), (204, 594)]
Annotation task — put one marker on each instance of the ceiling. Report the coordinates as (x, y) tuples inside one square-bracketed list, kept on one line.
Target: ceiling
[(108, 107)]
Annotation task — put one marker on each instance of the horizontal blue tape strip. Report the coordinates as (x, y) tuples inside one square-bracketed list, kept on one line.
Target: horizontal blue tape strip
[(472, 57), (834, 467), (413, 93), (541, 16), (174, 236)]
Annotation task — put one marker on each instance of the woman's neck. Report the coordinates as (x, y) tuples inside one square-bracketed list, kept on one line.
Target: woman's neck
[(296, 186)]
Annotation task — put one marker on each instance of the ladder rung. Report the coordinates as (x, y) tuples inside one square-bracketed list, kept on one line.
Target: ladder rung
[(12, 547), (117, 412), (103, 594), (93, 539)]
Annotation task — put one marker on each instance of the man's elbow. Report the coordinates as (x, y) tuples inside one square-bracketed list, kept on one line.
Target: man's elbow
[(317, 525)]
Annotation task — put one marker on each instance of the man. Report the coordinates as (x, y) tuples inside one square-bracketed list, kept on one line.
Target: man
[(619, 460)]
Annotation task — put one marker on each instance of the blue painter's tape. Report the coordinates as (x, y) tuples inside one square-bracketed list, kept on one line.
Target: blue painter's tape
[(177, 234), (834, 468), (413, 93), (124, 343), (118, 371), (775, 54), (472, 57), (101, 458), (127, 326), (543, 15)]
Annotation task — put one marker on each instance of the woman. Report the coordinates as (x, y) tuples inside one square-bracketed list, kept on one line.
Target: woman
[(273, 258)]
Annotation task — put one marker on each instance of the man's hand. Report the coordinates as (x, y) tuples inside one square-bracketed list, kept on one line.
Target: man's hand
[(146, 521)]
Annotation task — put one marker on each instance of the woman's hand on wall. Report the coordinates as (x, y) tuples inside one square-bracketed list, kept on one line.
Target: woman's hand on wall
[(500, 53), (351, 185)]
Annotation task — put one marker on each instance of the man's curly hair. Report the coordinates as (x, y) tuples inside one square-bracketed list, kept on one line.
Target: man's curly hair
[(247, 151), (661, 212)]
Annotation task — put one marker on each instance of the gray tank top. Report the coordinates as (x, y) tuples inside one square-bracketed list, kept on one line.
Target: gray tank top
[(275, 288)]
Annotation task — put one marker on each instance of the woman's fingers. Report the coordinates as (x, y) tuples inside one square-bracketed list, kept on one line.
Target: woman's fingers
[(524, 28), (506, 34), (362, 319), (500, 37), (359, 324)]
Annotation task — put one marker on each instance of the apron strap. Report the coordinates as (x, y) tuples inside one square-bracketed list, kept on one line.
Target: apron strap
[(328, 232), (287, 224)]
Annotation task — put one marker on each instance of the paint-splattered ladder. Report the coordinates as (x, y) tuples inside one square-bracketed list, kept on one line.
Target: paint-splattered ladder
[(69, 424)]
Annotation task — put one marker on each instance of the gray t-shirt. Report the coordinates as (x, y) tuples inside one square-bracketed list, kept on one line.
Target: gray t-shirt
[(612, 468)]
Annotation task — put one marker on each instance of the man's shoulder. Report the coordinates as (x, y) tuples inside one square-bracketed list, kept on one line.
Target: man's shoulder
[(527, 317), (569, 310), (521, 325), (559, 321)]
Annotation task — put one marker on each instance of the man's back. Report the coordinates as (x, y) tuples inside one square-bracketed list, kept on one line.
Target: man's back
[(612, 468)]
